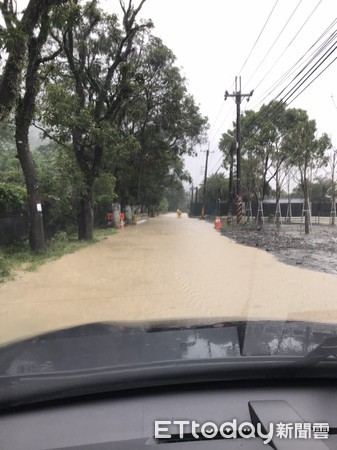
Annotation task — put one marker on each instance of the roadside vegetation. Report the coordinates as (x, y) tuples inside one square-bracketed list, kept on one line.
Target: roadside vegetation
[(282, 157), (94, 112), (19, 255)]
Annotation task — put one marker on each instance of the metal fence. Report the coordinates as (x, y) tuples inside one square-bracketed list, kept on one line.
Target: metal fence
[(14, 228), (318, 209)]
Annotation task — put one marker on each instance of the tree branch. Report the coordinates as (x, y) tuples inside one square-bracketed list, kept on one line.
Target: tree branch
[(50, 57), (48, 135)]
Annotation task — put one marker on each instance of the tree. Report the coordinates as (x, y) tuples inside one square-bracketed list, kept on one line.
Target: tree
[(164, 120), (216, 188), (176, 197), (319, 189), (89, 90), (24, 41), (333, 165), (14, 38), (307, 152), (263, 134), (227, 145)]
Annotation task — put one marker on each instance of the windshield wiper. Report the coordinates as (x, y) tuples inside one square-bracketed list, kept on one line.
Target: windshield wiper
[(326, 351)]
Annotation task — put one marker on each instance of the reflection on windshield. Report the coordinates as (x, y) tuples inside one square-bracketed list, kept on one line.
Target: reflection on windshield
[(100, 346)]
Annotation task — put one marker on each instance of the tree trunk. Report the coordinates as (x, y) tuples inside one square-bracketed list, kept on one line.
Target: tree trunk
[(306, 207), (277, 203), (230, 187), (333, 190), (260, 212), (85, 218), (36, 230), (23, 119)]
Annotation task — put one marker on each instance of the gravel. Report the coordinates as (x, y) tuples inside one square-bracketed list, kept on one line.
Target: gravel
[(316, 251)]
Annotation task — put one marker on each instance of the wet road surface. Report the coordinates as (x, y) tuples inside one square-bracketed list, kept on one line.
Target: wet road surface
[(165, 268)]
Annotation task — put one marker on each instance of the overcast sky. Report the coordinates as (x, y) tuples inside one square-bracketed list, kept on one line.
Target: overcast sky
[(212, 40)]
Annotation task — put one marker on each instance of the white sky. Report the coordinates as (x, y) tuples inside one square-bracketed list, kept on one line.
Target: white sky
[(212, 39)]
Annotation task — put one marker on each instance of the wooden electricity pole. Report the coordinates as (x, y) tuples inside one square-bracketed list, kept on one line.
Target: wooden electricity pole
[(238, 98)]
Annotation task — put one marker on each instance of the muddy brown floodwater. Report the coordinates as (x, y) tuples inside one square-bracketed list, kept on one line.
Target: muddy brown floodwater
[(165, 268)]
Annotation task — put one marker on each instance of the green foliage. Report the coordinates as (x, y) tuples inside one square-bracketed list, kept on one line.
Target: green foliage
[(167, 123), (176, 196), (10, 169), (104, 195), (263, 135), (304, 149), (216, 188), (163, 205), (118, 137), (61, 186), (89, 89), (13, 199), (4, 266), (10, 38), (320, 190), (60, 183), (227, 145), (274, 140)]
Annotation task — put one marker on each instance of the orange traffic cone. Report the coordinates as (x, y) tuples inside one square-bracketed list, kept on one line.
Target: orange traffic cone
[(217, 223)]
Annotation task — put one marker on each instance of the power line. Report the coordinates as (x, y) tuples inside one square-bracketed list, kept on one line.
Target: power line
[(222, 123), (306, 76), (289, 95), (289, 44), (277, 108), (217, 117), (258, 38), (243, 65), (287, 98), (277, 38), (306, 87), (292, 69), (215, 165), (317, 53)]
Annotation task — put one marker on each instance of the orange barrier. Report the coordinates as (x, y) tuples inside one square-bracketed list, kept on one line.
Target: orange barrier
[(217, 223), (121, 224)]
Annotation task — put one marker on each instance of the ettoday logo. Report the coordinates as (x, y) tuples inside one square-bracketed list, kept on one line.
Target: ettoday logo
[(209, 430), (232, 430)]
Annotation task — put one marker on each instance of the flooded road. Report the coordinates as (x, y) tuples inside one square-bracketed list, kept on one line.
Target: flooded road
[(165, 268)]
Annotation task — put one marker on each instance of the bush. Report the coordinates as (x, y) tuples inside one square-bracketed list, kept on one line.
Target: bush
[(13, 199), (59, 237), (4, 267)]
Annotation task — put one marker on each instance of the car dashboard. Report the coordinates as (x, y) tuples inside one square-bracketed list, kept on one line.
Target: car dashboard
[(125, 420)]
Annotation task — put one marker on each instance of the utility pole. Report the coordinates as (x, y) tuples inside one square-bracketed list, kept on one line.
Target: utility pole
[(238, 98), (333, 191), (230, 186), (192, 193), (204, 188)]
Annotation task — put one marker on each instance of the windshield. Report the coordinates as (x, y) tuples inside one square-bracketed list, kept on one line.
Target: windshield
[(167, 162)]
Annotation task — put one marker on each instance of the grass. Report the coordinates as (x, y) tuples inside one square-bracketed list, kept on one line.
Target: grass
[(18, 255)]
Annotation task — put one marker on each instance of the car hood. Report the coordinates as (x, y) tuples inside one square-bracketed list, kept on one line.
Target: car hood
[(102, 345)]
